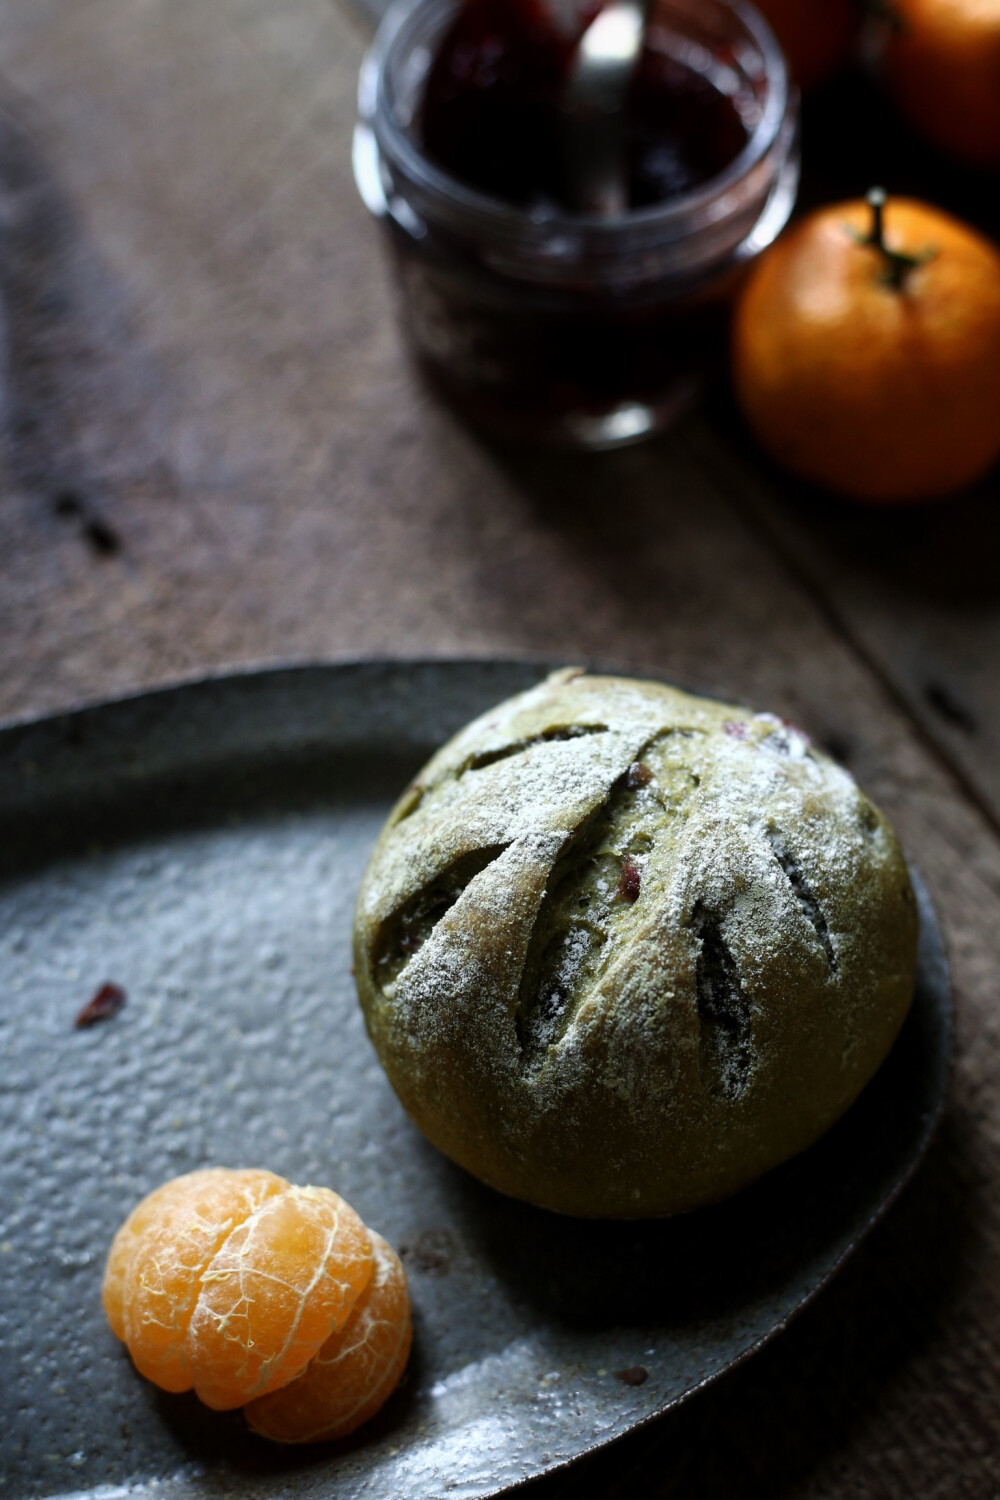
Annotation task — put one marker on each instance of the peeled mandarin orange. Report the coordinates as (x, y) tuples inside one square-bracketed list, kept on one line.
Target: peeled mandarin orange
[(866, 350), (817, 35), (251, 1290), (159, 1255), (230, 1281), (943, 66), (356, 1370), (280, 1285)]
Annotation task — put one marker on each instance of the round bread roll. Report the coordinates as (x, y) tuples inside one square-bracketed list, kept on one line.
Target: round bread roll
[(621, 950)]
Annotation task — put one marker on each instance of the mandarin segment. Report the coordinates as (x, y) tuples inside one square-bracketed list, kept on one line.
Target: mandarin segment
[(174, 1238), (125, 1244), (143, 1220), (356, 1370), (281, 1284)]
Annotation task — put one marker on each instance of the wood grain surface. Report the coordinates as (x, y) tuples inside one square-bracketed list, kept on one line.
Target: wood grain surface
[(214, 453)]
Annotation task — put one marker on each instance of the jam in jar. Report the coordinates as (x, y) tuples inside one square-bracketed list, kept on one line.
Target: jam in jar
[(536, 319)]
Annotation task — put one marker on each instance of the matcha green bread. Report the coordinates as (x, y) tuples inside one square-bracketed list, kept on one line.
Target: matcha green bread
[(621, 950)]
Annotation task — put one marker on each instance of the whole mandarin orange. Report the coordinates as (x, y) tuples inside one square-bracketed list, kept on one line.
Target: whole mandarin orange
[(818, 35), (866, 350), (943, 67)]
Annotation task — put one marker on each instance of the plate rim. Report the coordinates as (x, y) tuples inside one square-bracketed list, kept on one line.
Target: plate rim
[(261, 675)]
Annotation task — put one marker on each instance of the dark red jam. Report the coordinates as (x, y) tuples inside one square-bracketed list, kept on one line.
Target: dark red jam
[(534, 320), (493, 110)]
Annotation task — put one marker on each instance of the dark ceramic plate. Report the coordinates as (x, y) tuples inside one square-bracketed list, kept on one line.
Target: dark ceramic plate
[(201, 847)]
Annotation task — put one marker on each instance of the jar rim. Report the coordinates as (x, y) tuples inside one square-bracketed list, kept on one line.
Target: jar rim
[(501, 217)]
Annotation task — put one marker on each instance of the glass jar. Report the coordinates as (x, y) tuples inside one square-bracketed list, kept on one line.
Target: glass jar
[(545, 324)]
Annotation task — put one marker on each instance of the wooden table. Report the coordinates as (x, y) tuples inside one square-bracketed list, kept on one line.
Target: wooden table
[(216, 454)]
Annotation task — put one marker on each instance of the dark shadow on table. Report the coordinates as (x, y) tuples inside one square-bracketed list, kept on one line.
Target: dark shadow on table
[(937, 552), (79, 400)]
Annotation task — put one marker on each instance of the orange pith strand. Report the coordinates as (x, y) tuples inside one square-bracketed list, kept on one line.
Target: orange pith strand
[(356, 1370), (237, 1284)]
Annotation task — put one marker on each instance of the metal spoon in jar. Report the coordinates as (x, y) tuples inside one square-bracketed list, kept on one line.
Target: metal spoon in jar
[(594, 138)]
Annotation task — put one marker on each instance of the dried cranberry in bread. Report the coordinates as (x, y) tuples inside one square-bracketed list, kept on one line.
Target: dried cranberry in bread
[(621, 950)]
